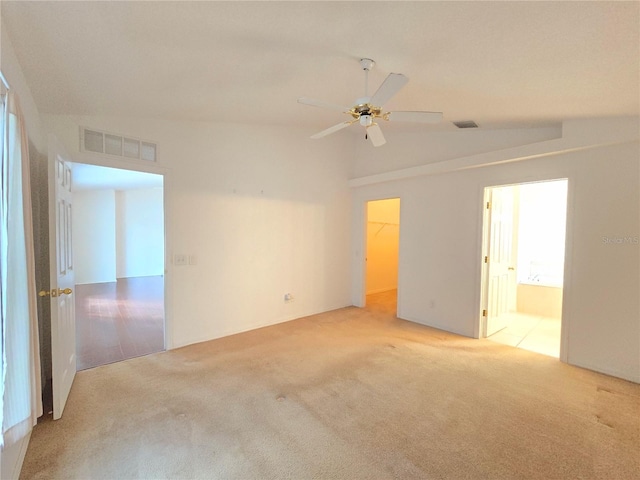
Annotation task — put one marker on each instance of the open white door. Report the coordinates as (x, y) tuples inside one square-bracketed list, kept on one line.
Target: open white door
[(63, 320), (500, 269)]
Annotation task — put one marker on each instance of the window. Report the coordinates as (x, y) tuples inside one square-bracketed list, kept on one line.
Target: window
[(20, 400), (541, 233)]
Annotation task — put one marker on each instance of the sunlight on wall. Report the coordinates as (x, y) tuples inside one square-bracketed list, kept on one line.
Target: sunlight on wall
[(541, 233)]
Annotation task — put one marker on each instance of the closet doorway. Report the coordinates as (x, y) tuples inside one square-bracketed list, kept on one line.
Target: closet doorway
[(383, 246)]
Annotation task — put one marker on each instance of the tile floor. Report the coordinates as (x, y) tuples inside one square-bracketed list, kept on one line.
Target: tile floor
[(531, 332), (119, 320)]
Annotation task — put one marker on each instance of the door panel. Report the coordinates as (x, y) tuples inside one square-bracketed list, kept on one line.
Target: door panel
[(500, 258), (63, 324)]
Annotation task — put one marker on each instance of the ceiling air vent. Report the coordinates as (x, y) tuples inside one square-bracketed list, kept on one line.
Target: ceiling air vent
[(466, 124), (113, 144)]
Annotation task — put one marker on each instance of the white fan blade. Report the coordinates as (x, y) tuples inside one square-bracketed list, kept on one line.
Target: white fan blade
[(375, 135), (391, 85), (333, 129), (318, 103), (420, 117)]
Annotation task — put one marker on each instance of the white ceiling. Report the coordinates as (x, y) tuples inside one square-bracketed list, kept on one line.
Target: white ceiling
[(502, 64)]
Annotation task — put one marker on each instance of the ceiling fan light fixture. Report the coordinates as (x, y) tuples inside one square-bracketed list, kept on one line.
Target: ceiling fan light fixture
[(369, 108), (366, 120)]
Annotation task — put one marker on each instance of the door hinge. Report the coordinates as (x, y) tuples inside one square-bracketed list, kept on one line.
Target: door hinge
[(486, 259), (488, 205), (484, 313)]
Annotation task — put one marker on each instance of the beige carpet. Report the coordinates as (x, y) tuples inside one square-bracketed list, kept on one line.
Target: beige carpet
[(350, 394)]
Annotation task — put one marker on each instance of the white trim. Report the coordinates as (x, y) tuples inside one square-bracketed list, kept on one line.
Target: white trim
[(627, 131), (153, 168), (445, 328), (361, 279), (4, 80), (614, 372), (566, 324), (480, 327)]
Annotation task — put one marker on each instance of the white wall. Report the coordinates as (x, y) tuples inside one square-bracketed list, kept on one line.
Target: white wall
[(94, 236), (440, 238), (139, 232), (383, 243), (432, 147), (118, 234), (265, 211), (12, 71)]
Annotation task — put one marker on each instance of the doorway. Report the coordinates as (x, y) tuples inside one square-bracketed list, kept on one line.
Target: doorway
[(118, 247), (524, 232), (382, 252)]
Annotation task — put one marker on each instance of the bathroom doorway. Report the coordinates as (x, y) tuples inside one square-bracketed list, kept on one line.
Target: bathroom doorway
[(523, 265)]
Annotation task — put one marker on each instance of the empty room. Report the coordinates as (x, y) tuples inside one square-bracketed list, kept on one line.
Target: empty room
[(339, 248)]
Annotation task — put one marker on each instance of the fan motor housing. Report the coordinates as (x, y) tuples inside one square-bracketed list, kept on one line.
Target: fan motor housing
[(365, 109)]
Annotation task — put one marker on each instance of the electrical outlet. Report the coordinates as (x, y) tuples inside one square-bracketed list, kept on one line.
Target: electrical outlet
[(180, 259), (288, 298)]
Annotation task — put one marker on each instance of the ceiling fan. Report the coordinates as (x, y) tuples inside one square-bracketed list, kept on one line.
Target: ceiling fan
[(369, 109)]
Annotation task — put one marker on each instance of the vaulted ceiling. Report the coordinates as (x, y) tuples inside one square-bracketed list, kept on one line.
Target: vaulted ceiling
[(502, 64)]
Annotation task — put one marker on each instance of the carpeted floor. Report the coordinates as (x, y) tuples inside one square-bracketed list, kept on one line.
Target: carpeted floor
[(349, 394)]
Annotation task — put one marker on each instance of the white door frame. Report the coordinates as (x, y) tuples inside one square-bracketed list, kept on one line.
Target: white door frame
[(88, 158), (565, 320), (361, 242)]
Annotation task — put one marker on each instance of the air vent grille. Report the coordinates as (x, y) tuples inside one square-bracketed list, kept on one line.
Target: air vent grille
[(112, 144), (466, 124)]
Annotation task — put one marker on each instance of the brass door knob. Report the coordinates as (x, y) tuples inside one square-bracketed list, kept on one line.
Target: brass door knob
[(55, 292)]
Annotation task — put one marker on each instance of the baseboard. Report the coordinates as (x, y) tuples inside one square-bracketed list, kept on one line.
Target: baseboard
[(437, 326), (249, 327), (12, 458), (629, 376)]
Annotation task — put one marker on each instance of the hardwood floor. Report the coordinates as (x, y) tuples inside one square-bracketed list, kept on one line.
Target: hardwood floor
[(119, 320)]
